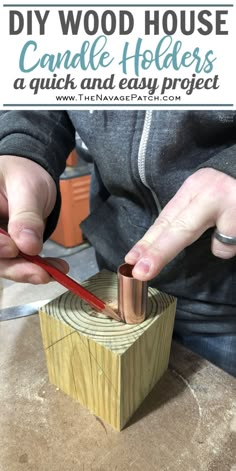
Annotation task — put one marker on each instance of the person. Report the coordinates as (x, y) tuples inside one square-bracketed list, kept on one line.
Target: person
[(163, 197)]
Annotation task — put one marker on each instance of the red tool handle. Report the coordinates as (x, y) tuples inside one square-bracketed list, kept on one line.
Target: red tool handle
[(64, 280)]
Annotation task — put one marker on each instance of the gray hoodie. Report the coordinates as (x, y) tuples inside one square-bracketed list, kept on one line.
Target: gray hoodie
[(141, 158)]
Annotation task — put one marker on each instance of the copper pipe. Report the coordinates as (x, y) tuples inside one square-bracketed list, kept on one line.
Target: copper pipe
[(132, 296)]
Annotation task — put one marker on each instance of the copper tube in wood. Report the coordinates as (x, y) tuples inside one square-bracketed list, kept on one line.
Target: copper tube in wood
[(132, 296)]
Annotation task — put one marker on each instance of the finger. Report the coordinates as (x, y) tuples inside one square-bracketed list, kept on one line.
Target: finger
[(27, 216), (26, 222), (226, 224), (183, 230), (28, 194), (171, 211), (22, 271), (8, 247)]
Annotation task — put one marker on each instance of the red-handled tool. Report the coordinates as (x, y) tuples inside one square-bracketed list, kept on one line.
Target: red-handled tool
[(70, 284)]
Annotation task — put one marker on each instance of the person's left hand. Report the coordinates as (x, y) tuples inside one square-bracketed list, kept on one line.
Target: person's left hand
[(206, 199)]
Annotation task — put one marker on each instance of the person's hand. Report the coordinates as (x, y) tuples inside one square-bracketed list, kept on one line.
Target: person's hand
[(206, 199), (27, 197)]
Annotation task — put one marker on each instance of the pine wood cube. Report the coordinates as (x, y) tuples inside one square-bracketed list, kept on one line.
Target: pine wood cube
[(108, 366)]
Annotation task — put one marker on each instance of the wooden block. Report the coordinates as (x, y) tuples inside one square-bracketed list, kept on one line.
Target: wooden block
[(108, 366)]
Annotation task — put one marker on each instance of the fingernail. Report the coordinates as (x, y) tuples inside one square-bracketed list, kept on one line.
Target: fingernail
[(133, 256), (31, 233), (142, 267)]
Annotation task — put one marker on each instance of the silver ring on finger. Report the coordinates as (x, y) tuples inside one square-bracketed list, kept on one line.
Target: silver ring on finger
[(224, 239)]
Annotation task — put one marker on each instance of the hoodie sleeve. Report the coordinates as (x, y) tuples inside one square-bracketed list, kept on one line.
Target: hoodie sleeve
[(225, 159), (46, 137)]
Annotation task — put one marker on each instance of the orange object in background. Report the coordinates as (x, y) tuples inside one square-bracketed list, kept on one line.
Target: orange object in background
[(72, 160), (75, 207)]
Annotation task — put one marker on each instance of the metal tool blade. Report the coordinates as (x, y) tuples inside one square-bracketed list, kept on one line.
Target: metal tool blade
[(23, 310)]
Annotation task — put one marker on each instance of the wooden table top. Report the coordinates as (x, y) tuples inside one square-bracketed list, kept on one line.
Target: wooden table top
[(187, 423)]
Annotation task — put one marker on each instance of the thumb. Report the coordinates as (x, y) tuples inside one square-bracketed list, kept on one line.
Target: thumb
[(31, 196)]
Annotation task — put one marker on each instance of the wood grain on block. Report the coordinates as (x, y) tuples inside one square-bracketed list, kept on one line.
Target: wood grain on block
[(109, 366)]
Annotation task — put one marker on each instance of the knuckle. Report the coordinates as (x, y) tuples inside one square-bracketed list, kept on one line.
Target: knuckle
[(163, 222), (185, 225), (142, 243)]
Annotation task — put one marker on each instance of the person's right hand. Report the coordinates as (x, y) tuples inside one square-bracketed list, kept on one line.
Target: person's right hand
[(27, 197)]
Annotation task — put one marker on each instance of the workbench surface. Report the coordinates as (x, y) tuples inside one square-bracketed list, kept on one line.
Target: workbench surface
[(187, 423)]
